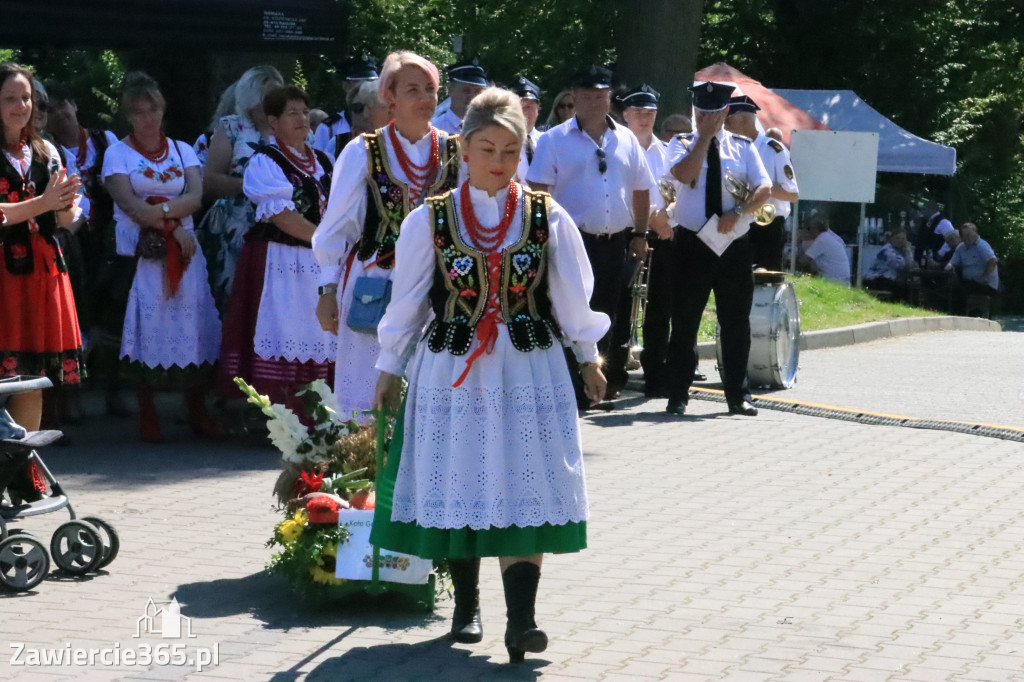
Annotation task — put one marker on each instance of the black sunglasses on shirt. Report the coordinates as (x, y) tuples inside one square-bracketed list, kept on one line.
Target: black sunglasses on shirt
[(602, 165)]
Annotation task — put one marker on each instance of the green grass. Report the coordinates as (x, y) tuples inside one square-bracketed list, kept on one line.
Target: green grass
[(826, 305)]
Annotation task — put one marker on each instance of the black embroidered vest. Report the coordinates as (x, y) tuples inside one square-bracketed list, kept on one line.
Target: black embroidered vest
[(388, 199), (340, 140), (17, 239), (309, 196), (460, 289)]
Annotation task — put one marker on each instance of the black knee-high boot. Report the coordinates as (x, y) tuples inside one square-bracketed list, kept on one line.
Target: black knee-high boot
[(466, 625), (521, 633)]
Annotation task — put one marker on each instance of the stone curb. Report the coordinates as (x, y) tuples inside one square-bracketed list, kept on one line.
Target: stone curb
[(873, 331)]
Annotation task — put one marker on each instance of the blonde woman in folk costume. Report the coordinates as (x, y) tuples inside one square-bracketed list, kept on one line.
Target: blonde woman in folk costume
[(487, 458), (379, 177)]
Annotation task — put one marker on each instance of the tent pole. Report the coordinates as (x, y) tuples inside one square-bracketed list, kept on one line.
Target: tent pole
[(792, 237), (860, 244)]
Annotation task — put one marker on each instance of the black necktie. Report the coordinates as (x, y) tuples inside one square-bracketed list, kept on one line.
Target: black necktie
[(529, 149), (713, 186)]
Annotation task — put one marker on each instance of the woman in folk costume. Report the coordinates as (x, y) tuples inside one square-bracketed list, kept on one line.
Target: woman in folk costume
[(171, 333), (379, 178), (39, 332), (487, 458), (270, 337)]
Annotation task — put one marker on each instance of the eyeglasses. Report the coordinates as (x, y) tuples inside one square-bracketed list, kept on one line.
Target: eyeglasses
[(602, 165)]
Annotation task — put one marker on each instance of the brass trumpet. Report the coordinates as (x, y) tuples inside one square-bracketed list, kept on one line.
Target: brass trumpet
[(638, 285), (764, 214)]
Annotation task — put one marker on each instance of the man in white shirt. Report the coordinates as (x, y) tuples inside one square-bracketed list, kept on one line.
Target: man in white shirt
[(355, 71), (597, 170), (767, 240), (826, 255), (931, 233), (466, 80), (640, 109), (529, 99), (700, 162)]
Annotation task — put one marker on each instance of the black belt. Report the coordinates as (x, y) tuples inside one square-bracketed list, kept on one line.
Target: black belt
[(607, 236)]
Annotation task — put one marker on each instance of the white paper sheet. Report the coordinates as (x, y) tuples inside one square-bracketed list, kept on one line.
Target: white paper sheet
[(718, 242)]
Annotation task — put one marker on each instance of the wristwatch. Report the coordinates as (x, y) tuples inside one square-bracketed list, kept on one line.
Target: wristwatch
[(327, 289), (737, 210)]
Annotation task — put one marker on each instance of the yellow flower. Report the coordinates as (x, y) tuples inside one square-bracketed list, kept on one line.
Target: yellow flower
[(323, 570), (289, 530), (301, 516)]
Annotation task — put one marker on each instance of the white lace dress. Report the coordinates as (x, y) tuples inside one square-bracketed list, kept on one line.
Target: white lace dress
[(504, 448), (162, 332), (286, 325), (355, 378)]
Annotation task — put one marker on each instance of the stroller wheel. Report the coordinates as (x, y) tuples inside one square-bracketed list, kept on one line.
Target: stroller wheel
[(111, 543), (23, 562), (76, 547)]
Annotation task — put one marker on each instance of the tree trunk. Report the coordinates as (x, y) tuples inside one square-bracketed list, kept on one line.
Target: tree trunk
[(657, 43)]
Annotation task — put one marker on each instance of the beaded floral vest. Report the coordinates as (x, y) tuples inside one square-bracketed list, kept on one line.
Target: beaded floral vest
[(388, 200), (309, 196), (17, 239), (460, 289)]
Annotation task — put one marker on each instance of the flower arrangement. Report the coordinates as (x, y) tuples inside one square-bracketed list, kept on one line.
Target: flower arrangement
[(328, 467)]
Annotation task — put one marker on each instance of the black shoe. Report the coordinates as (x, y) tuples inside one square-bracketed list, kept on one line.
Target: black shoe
[(466, 625), (676, 406), (522, 634), (699, 375), (744, 408)]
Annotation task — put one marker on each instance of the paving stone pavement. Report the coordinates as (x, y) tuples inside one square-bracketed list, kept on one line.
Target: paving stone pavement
[(960, 376), (721, 548)]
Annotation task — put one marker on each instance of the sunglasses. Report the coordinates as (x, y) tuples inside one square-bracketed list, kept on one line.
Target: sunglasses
[(565, 105), (357, 108), (602, 165)]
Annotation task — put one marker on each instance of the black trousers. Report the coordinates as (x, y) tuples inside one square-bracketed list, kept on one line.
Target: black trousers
[(698, 272), (767, 242), (608, 259)]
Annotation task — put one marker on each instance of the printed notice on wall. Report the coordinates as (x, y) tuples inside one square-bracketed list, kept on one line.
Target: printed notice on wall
[(279, 25)]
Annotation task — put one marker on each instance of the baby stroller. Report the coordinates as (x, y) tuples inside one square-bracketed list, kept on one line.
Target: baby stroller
[(27, 488)]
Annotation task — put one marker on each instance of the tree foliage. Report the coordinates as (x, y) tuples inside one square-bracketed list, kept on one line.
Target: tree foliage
[(947, 70)]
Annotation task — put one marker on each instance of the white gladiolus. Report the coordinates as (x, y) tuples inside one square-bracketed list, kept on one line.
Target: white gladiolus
[(326, 395)]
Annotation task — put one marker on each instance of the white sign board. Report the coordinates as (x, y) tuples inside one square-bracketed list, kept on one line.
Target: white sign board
[(355, 555), (832, 165)]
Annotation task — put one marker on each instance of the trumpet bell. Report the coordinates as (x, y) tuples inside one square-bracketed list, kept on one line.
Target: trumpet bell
[(765, 215)]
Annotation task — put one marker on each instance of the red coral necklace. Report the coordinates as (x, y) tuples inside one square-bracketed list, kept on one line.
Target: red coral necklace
[(305, 163), (488, 239), (157, 156), (18, 147), (417, 175)]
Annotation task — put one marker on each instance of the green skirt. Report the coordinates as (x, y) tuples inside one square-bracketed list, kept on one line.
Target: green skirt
[(465, 542)]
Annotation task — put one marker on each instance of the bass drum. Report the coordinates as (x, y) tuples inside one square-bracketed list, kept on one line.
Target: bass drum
[(774, 336)]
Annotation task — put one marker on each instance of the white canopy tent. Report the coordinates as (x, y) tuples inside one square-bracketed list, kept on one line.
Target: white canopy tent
[(898, 150)]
